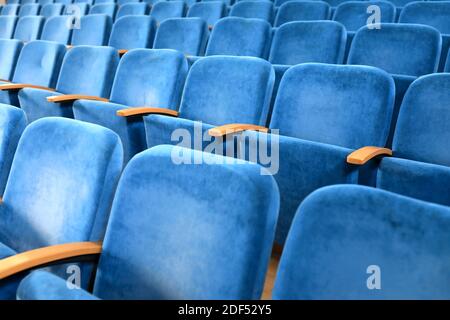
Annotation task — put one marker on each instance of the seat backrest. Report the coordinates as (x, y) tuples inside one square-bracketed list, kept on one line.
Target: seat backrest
[(406, 49), (187, 35), (179, 247), (354, 14), (302, 11), (222, 90), (94, 30), (308, 41), (122, 2), (253, 9), (61, 184), (349, 234), (149, 77), (9, 53), (347, 106), (56, 29), (104, 8), (88, 70), (131, 32), (401, 3), (422, 132), (236, 36), (29, 28), (7, 26), (168, 9), (24, 2), (10, 9), (52, 9), (44, 2), (432, 13), (39, 63), (226, 2), (127, 9), (63, 1), (31, 9), (208, 11)]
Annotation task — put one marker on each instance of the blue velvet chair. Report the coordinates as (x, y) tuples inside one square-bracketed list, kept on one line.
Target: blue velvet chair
[(85, 71), (52, 9), (302, 11), (236, 36), (420, 166), (77, 9), (187, 35), (192, 248), (67, 202), (29, 28), (348, 241), (38, 66), (168, 9), (144, 78), (109, 9), (323, 113), (432, 13), (7, 26), (55, 29), (210, 11), (133, 9), (253, 9), (94, 30), (407, 51), (130, 32), (10, 10), (9, 53), (31, 9)]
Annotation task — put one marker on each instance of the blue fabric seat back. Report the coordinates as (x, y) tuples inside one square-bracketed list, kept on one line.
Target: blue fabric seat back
[(168, 9), (52, 9), (346, 106), (302, 11), (208, 11), (56, 29), (187, 35), (253, 9), (133, 9), (65, 2), (236, 36), (122, 2), (24, 2), (10, 9), (44, 2), (221, 90), (9, 53), (169, 244), (109, 9), (404, 49), (94, 30), (131, 32), (308, 41), (29, 28), (31, 9), (7, 26), (226, 2)]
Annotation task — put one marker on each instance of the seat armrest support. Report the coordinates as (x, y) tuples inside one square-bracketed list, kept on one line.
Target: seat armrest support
[(143, 111)]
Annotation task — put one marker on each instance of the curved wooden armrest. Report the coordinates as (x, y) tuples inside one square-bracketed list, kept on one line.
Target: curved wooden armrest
[(142, 111), (122, 51), (73, 97), (18, 86), (38, 257), (362, 155), (234, 128)]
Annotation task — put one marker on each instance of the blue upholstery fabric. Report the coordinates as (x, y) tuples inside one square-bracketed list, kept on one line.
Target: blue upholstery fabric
[(339, 231), (29, 28), (226, 2), (131, 32), (77, 9), (308, 41), (302, 11), (240, 37), (432, 13), (23, 2), (253, 9), (10, 10), (69, 202), (7, 26), (31, 9), (133, 9), (85, 70), (12, 122), (122, 2), (94, 30), (208, 11), (187, 35), (64, 1), (109, 9), (9, 53), (168, 9), (52, 9), (55, 29), (144, 77), (44, 2)]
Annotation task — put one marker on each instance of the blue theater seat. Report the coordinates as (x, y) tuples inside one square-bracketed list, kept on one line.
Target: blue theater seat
[(9, 53), (56, 29), (168, 9), (7, 26), (133, 9), (52, 9), (69, 202), (210, 11), (204, 251), (302, 11), (347, 240), (86, 71), (94, 30), (420, 166), (187, 35), (109, 9), (10, 10), (38, 65), (29, 28), (31, 9), (144, 78), (236, 36), (132, 32), (253, 9)]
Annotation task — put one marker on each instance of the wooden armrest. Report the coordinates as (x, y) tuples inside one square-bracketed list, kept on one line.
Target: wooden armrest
[(38, 257), (142, 111), (122, 51), (73, 97), (362, 155), (234, 128), (18, 86)]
